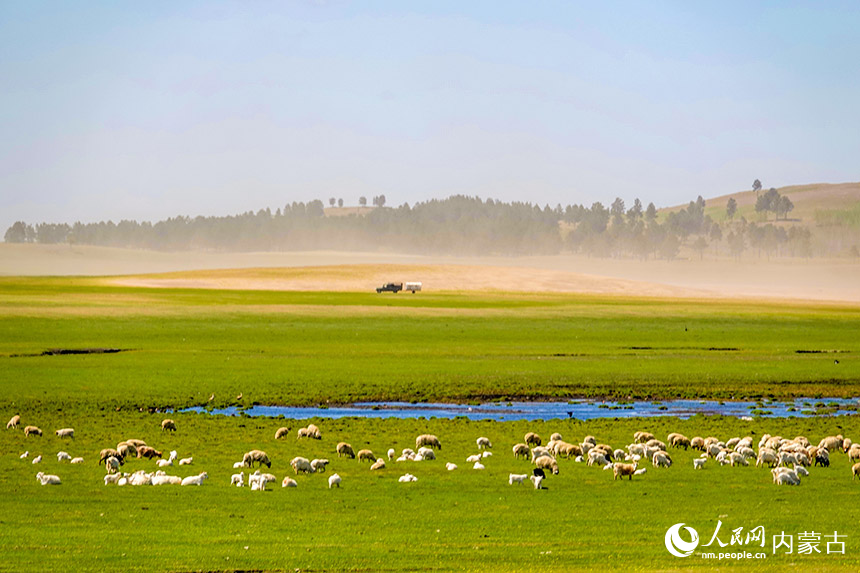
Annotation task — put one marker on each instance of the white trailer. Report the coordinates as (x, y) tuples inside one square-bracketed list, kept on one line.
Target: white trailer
[(412, 287)]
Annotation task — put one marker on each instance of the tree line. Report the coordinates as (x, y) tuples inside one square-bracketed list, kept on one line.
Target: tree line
[(458, 225)]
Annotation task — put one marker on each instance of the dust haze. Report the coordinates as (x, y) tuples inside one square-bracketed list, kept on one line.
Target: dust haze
[(800, 279)]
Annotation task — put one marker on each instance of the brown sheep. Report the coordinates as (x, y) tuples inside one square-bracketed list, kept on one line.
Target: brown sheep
[(344, 449), (570, 450), (281, 432), (109, 453), (679, 441), (624, 470), (258, 456), (148, 452), (126, 450), (136, 443), (522, 450), (427, 440), (168, 424), (13, 422), (698, 443), (642, 437), (532, 439), (32, 430), (547, 463), (366, 455)]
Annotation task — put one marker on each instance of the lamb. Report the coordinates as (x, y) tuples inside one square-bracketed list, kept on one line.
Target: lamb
[(48, 479), (65, 433), (428, 454), (532, 439), (61, 456), (186, 461), (165, 480), (13, 422), (32, 431), (450, 467), (238, 479), (428, 440), (281, 432), (661, 459), (800, 470), (622, 470), (37, 459), (537, 480), (24, 455), (366, 455), (640, 471), (547, 463), (478, 466), (521, 450), (484, 443), (334, 480), (474, 458), (406, 478), (113, 478), (699, 463), (195, 480), (318, 465), (168, 425), (300, 464), (77, 461), (380, 464), (344, 449), (258, 456), (289, 482), (164, 463), (518, 478), (112, 464)]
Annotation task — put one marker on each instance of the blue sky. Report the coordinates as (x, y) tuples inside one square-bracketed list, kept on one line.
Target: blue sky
[(154, 109)]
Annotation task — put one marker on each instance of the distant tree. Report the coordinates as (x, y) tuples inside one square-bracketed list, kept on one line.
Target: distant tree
[(783, 206), (380, 201), (617, 211), (362, 201), (670, 247), (635, 212), (20, 232), (331, 201), (716, 234), (340, 202), (737, 244), (731, 208), (700, 244), (756, 186), (767, 202), (651, 213)]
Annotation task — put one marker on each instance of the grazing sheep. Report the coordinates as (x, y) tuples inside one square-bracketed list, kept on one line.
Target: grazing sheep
[(344, 449), (642, 437), (65, 433), (618, 455), (800, 470), (622, 470), (766, 456), (281, 432), (555, 437), (136, 443), (855, 471), (310, 432), (380, 464), (334, 480), (450, 467), (521, 450), (661, 459), (319, 465), (109, 453), (13, 422), (366, 455), (478, 466), (406, 478), (680, 441), (195, 480), (736, 459), (699, 463), (428, 440), (289, 482), (300, 464), (518, 478), (428, 454), (168, 425), (547, 463), (32, 431), (784, 476), (830, 442), (698, 443), (186, 461), (537, 480), (112, 464), (258, 456), (61, 456), (532, 439), (568, 450), (484, 443), (77, 461), (148, 453), (37, 459), (238, 479), (47, 479), (126, 450), (391, 453)]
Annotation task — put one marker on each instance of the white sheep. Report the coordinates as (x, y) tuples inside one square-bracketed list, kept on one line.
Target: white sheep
[(661, 459), (406, 478), (48, 479), (139, 478), (164, 463), (113, 478), (165, 480), (484, 443), (391, 453), (699, 463), (186, 461), (485, 454), (800, 470), (640, 471), (318, 465), (478, 466), (25, 455), (62, 456), (65, 433), (450, 466), (518, 478), (300, 464), (77, 461), (37, 459), (238, 479), (427, 454), (378, 465), (289, 482), (195, 480), (473, 459), (334, 480), (537, 481), (237, 465)]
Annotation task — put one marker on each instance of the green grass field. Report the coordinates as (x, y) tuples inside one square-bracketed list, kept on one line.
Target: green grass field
[(181, 346)]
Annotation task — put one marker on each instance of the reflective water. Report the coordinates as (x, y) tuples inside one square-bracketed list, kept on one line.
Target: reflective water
[(578, 409)]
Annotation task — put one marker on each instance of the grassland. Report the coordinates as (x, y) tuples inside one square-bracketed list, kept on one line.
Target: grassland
[(182, 345)]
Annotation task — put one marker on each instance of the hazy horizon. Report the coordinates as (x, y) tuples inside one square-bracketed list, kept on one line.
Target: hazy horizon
[(151, 111)]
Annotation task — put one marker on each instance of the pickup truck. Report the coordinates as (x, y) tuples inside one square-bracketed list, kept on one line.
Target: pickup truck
[(390, 287)]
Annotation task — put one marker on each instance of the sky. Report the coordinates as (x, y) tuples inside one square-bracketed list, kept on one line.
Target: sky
[(149, 110)]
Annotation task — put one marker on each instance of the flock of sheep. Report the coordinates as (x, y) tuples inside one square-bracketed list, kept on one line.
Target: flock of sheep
[(788, 459)]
